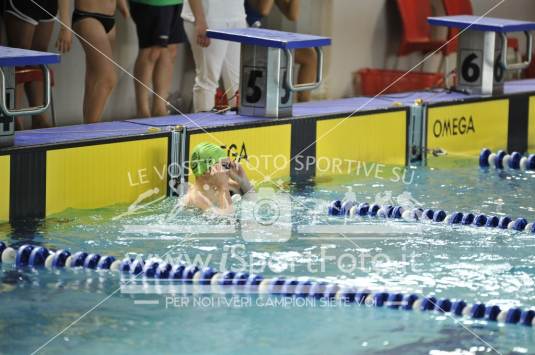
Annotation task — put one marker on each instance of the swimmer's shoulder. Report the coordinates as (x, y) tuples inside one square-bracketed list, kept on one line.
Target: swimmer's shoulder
[(195, 199)]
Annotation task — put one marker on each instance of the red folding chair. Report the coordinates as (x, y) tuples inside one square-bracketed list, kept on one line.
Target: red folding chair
[(416, 30), (416, 38), (24, 75)]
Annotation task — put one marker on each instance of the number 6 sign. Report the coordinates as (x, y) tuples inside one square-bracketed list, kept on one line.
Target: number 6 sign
[(471, 61), (479, 64), (482, 56)]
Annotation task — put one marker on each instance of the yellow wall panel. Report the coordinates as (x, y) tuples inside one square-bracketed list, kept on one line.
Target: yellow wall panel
[(531, 126), (344, 144), (263, 151), (4, 187), (463, 130), (102, 175)]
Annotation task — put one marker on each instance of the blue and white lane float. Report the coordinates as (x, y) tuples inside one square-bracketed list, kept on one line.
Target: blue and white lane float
[(502, 160), (352, 209), (38, 257)]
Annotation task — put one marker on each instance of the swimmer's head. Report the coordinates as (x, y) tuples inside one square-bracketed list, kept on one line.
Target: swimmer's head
[(205, 156)]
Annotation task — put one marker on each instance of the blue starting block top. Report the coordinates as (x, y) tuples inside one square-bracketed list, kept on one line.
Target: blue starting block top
[(269, 38), (487, 24), (12, 57)]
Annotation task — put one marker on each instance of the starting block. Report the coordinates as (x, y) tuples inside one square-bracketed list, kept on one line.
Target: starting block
[(9, 59), (267, 68), (482, 53)]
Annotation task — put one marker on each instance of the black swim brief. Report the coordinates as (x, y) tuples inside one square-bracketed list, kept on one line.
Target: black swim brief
[(107, 21), (157, 25)]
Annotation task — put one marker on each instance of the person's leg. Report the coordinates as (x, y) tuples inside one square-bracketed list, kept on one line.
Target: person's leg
[(163, 76), (231, 71), (144, 71), (100, 78), (169, 34), (146, 19), (19, 35), (307, 59), (34, 90), (231, 67), (208, 64)]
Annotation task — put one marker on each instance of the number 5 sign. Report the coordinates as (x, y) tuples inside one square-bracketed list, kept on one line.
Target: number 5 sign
[(263, 82), (267, 62), (254, 80)]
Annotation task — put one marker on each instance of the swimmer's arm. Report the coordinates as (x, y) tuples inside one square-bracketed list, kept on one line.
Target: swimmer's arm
[(235, 187), (246, 190), (247, 187), (64, 41), (262, 6), (290, 9), (200, 22), (198, 10), (123, 8), (238, 174), (64, 12)]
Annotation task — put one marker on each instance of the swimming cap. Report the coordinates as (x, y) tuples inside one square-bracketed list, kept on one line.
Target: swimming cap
[(204, 156)]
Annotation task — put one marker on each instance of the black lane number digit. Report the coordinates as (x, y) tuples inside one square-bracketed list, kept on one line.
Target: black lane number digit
[(286, 97), (254, 92), (498, 69), (470, 70)]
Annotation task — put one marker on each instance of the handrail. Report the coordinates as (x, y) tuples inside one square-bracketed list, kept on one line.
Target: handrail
[(521, 65), (308, 86), (30, 110)]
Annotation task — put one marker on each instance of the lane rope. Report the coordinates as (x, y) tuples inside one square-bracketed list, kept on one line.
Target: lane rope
[(32, 256), (502, 160), (353, 210)]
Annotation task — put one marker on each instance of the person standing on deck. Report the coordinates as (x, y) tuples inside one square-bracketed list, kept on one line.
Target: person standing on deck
[(94, 22), (29, 25), (213, 59), (159, 30)]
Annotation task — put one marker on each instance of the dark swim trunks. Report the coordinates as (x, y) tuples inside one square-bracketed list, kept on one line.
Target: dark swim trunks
[(157, 25), (32, 12)]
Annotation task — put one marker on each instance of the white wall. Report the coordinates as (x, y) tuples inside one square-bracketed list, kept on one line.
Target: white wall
[(360, 32), (364, 34)]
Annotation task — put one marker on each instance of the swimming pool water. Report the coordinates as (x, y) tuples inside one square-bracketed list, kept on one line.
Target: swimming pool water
[(475, 264)]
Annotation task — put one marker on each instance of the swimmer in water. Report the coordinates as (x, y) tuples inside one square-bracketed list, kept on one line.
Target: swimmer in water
[(217, 179)]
